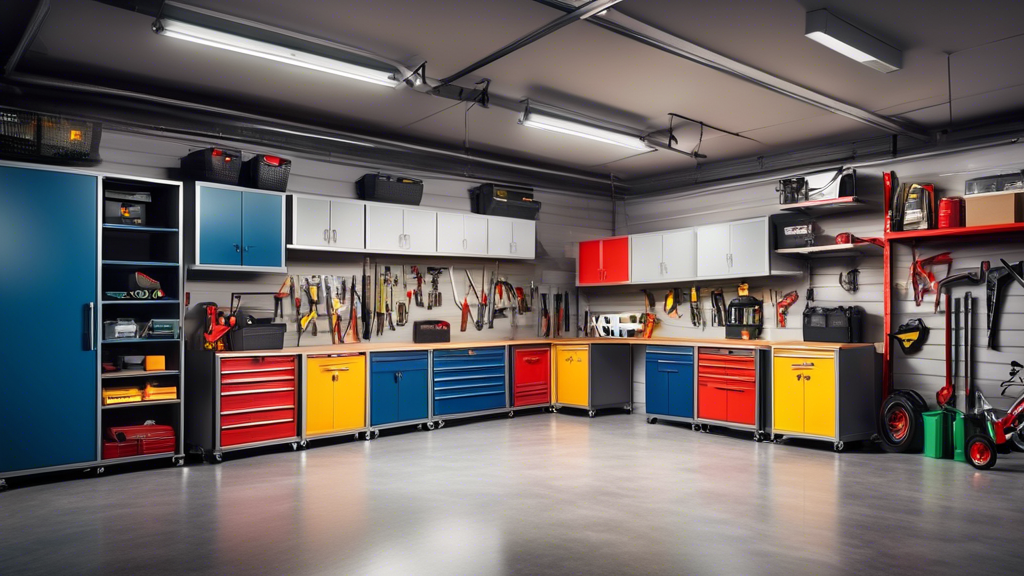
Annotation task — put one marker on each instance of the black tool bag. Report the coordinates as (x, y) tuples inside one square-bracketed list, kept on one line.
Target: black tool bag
[(508, 201), (841, 324), (744, 318), (431, 331), (392, 189)]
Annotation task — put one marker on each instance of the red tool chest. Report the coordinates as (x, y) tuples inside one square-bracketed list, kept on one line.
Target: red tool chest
[(727, 386), (604, 261), (258, 399), (531, 376)]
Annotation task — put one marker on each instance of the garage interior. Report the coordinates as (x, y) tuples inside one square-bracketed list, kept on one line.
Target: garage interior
[(511, 286)]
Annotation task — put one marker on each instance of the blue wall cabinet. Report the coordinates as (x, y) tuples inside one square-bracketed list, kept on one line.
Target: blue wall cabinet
[(469, 380), (237, 227), (398, 387), (670, 381), (48, 417)]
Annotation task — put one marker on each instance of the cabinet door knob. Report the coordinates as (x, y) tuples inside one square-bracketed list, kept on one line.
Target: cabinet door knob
[(327, 237), (237, 247), (335, 236)]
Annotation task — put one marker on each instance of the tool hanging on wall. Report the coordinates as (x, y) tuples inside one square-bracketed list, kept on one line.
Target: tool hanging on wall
[(490, 299), (850, 280), (969, 277), (282, 293), (717, 307), (481, 299), (352, 334), (390, 281), (558, 314), (783, 306), (567, 317), (434, 296), (462, 303), (418, 292), (331, 305), (650, 318), (921, 277), (948, 391), (545, 315), (911, 335), (364, 304), (696, 312), (995, 285), (533, 293), (311, 286), (402, 308), (672, 303), (381, 306)]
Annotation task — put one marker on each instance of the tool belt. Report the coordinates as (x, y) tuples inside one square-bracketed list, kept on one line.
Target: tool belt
[(841, 324)]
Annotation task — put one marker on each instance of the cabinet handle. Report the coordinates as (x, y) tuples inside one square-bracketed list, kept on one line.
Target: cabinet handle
[(335, 236), (803, 365), (532, 360), (408, 241), (247, 246), (465, 244), (92, 326), (401, 240), (514, 248), (327, 237), (237, 248), (335, 368)]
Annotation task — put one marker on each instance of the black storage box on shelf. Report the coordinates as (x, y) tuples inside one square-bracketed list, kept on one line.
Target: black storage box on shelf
[(266, 172), (844, 324), (827, 185), (508, 201), (392, 189), (125, 207), (999, 183), (48, 138), (431, 331), (257, 337), (217, 165), (744, 318), (794, 230)]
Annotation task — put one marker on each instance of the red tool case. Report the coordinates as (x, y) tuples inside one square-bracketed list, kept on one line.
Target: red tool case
[(144, 439)]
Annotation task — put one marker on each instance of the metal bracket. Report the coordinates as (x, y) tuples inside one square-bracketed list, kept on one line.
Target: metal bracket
[(479, 95)]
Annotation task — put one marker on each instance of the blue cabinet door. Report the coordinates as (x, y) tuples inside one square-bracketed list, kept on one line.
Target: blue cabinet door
[(262, 229), (48, 258), (383, 398), (412, 395), (680, 388), (220, 227), (657, 389)]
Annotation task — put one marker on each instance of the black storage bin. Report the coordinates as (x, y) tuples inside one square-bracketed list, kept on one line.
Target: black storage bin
[(431, 331), (257, 337), (218, 165), (744, 318), (507, 201), (48, 138), (793, 230), (842, 324), (266, 172), (387, 188)]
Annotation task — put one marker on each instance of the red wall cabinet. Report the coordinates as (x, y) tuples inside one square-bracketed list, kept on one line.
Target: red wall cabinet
[(531, 376), (604, 261)]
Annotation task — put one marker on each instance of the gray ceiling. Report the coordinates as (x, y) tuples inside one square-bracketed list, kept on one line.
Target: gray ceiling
[(582, 67)]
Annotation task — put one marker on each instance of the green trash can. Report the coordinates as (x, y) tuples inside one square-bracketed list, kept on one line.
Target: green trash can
[(959, 438), (937, 434)]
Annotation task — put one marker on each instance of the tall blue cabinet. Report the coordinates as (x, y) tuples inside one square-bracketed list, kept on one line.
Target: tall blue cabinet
[(49, 255), (237, 228), (670, 375)]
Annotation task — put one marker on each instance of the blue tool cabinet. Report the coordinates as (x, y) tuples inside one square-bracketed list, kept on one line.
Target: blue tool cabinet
[(670, 381), (236, 227), (398, 388), (48, 246), (469, 380)]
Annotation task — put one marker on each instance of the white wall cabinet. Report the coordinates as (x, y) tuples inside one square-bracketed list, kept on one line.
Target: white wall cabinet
[(396, 229), (461, 234), (511, 237), (733, 249), (663, 256), (327, 224)]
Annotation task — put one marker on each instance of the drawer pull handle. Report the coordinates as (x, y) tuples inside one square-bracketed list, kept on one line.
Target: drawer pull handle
[(262, 409), (335, 368), (803, 365), (532, 360), (251, 424)]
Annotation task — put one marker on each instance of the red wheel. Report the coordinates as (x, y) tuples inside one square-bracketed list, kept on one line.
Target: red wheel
[(899, 424), (981, 452)]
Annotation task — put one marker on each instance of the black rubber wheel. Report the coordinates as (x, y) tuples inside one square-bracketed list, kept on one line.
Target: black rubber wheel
[(981, 452), (899, 424)]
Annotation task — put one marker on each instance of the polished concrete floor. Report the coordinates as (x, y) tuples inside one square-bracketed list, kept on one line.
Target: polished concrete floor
[(540, 494)]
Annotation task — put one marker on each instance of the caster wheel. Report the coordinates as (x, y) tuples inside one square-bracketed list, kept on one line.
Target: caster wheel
[(511, 414), (981, 452), (218, 458), (295, 445), (591, 413), (696, 427), (757, 436), (839, 446), (3, 484), (100, 470), (376, 434), (178, 460), (440, 424), (369, 435), (652, 420), (430, 425), (419, 426), (304, 444), (356, 437)]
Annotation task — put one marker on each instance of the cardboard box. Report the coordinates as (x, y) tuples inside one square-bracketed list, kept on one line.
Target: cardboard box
[(155, 363), (994, 208)]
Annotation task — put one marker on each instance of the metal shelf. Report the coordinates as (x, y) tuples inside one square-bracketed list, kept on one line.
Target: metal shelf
[(832, 251), (140, 228), (138, 458), (965, 231), (139, 263), (141, 403), (828, 207), (138, 340), (137, 373), (128, 301)]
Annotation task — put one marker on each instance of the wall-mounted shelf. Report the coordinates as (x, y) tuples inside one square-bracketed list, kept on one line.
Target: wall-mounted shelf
[(939, 233), (137, 373), (139, 228), (127, 302), (139, 340), (832, 251), (828, 207), (139, 263), (142, 403)]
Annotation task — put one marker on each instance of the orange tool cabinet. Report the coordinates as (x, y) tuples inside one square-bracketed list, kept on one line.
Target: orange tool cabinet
[(335, 395), (731, 389), (825, 393)]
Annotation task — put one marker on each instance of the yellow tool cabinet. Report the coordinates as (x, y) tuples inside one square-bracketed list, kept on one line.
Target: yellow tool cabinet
[(335, 394), (572, 375), (592, 376), (825, 392)]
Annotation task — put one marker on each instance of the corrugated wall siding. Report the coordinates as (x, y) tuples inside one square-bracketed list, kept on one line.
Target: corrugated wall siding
[(924, 371), (565, 220)]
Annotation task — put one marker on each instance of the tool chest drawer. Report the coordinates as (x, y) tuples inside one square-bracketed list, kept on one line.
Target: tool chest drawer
[(255, 379), (727, 385), (669, 381), (257, 432), (531, 376), (469, 380), (238, 418), (254, 363), (260, 400), (392, 361)]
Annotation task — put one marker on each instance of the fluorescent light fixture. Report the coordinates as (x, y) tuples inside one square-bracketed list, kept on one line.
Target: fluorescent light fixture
[(554, 119), (269, 51), (826, 29)]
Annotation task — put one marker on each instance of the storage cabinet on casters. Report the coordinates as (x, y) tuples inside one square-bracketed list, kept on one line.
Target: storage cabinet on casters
[(237, 228), (399, 390), (468, 382), (531, 377), (732, 389), (669, 383), (592, 376), (237, 402), (335, 395), (825, 393)]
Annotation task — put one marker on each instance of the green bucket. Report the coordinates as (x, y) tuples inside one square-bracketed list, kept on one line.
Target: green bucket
[(959, 438), (937, 435)]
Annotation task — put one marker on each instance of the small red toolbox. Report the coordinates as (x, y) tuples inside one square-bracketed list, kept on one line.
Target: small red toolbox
[(113, 450), (157, 445)]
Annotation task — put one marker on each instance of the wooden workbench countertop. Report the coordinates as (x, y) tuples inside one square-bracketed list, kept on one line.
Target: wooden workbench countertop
[(408, 346)]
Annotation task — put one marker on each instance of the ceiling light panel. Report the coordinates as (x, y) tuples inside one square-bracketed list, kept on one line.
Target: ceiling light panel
[(828, 30), (554, 119)]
